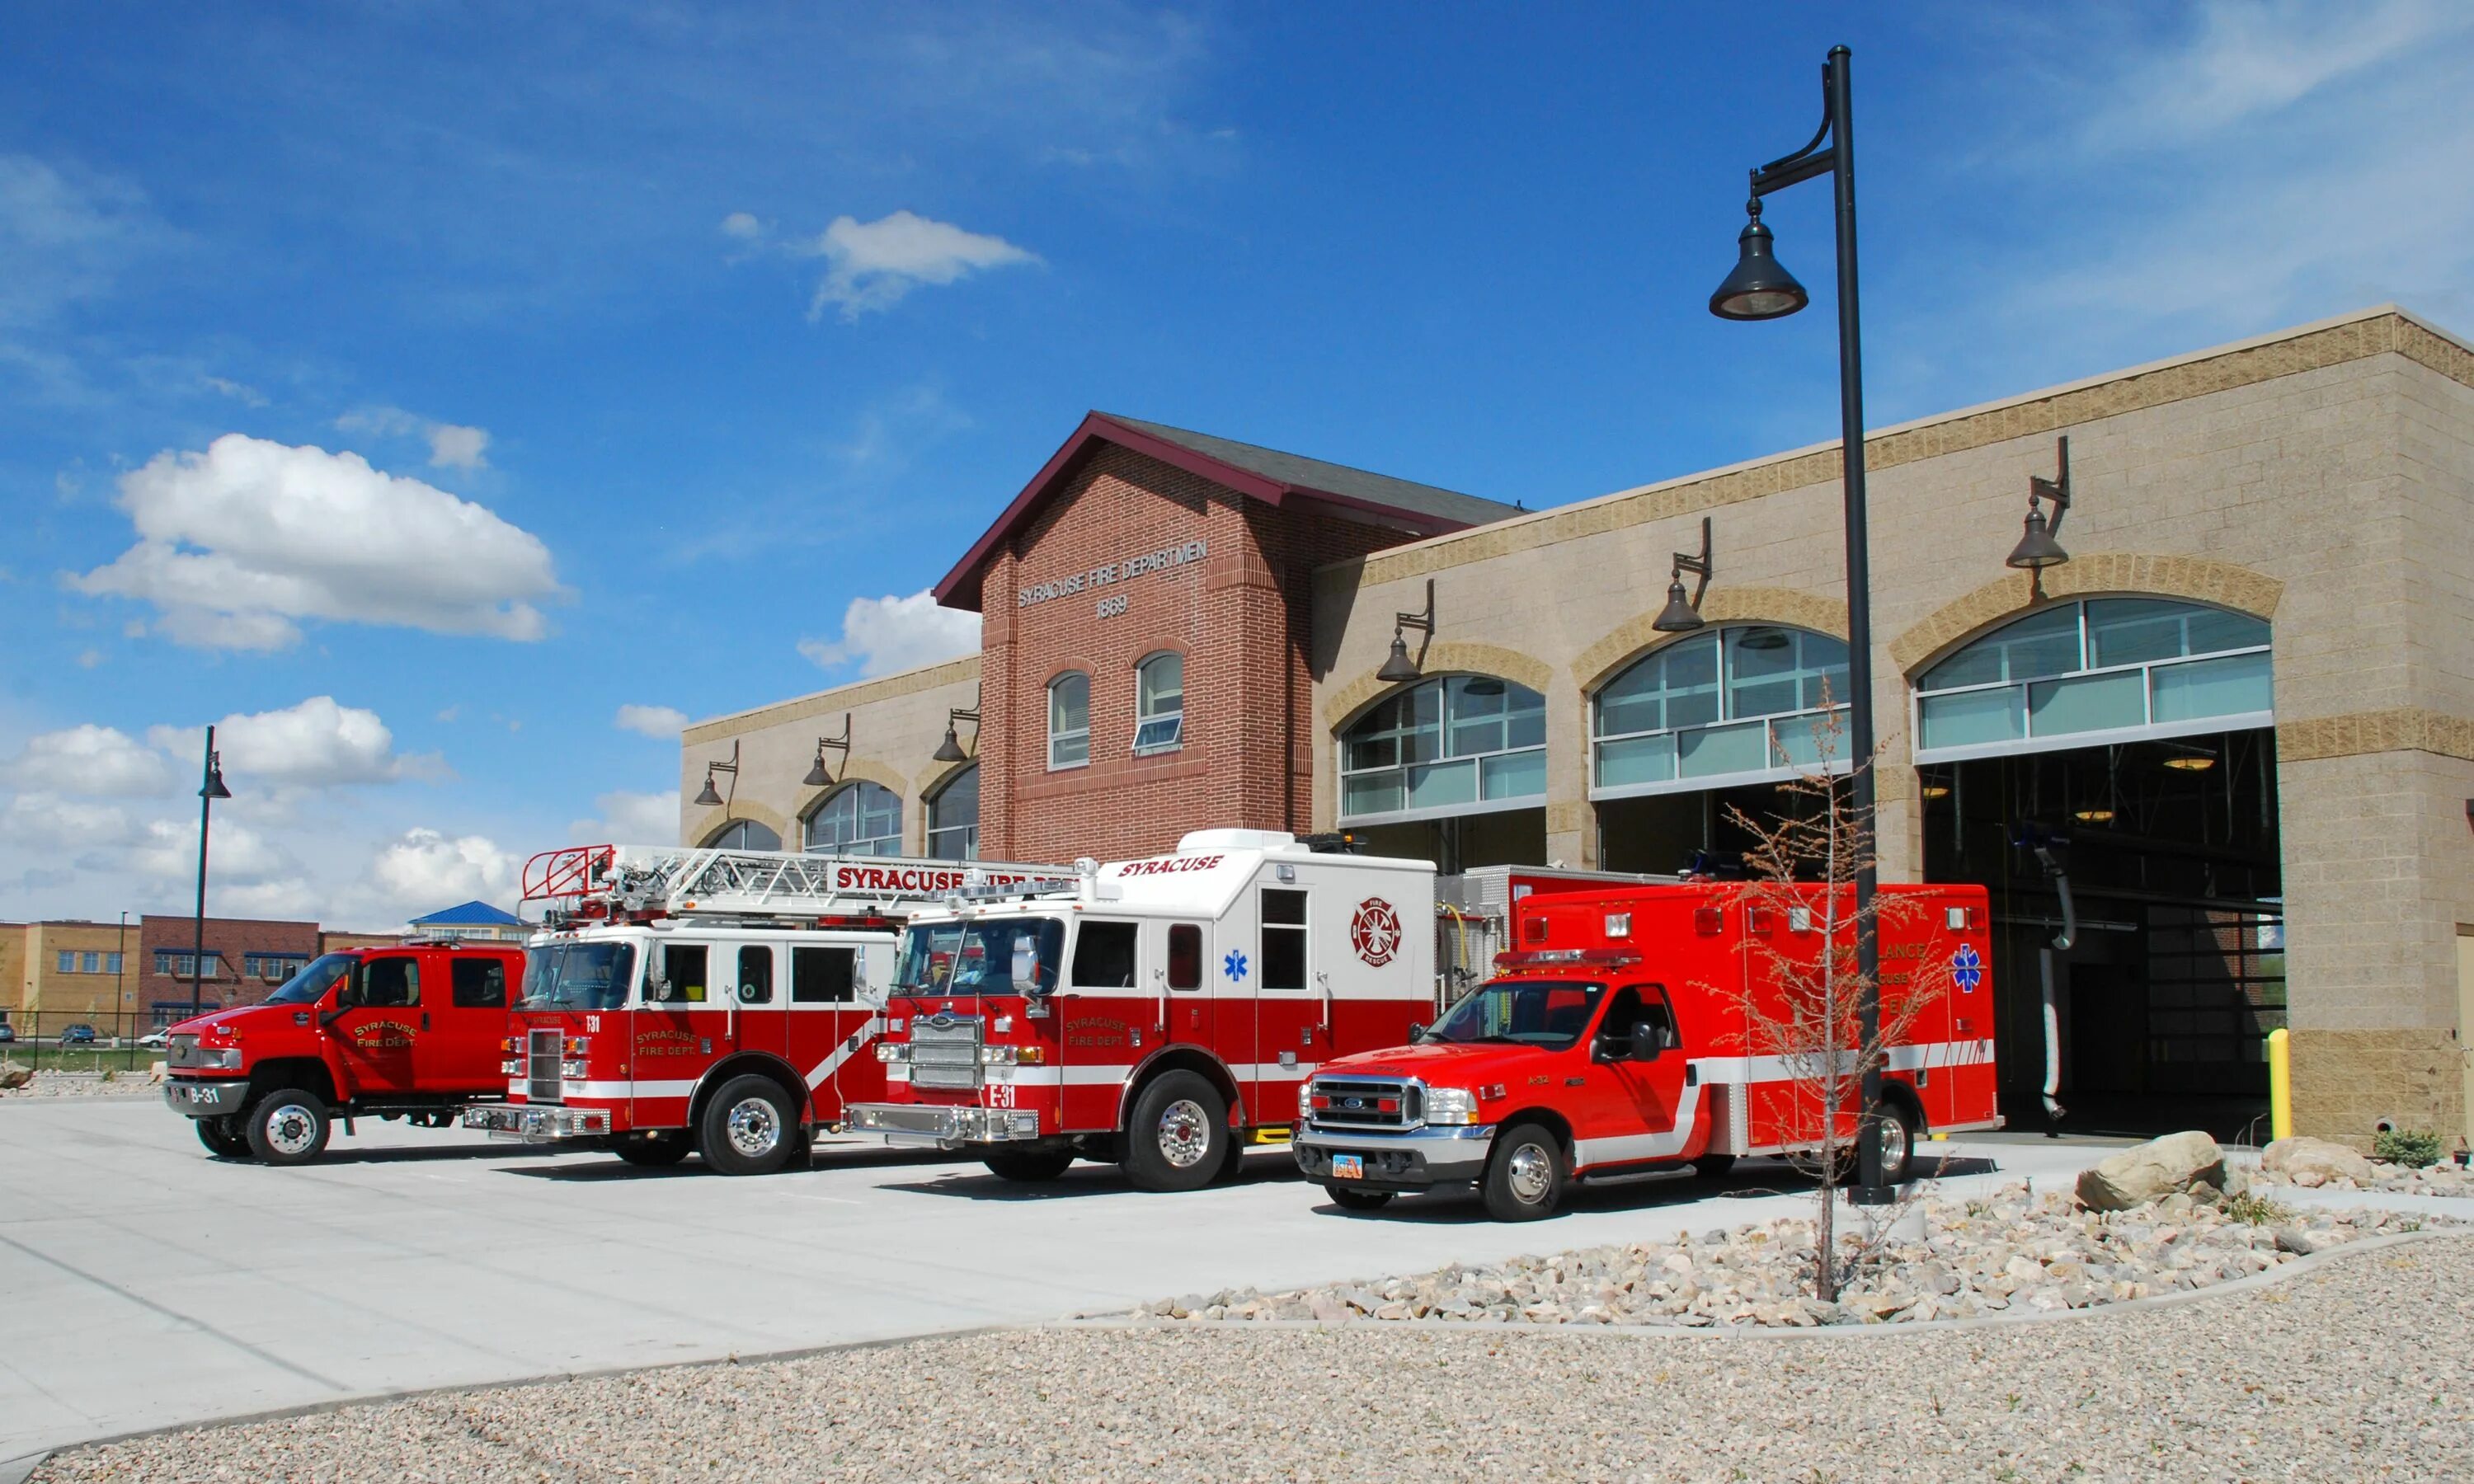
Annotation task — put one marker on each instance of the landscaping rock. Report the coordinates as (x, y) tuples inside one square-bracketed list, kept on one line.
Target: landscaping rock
[(15, 1075), (2315, 1161), (2177, 1165)]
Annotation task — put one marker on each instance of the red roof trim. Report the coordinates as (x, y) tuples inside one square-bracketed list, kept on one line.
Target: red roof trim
[(959, 588)]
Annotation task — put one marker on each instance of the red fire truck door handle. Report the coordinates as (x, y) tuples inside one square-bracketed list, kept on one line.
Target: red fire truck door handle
[(424, 1020)]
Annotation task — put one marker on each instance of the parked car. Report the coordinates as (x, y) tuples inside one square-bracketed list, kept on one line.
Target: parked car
[(8, 1034), (80, 1035), (154, 1040)]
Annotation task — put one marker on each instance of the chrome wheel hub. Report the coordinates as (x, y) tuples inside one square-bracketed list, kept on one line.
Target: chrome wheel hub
[(1533, 1171), (1892, 1136), (1184, 1134), (753, 1128), (291, 1129)]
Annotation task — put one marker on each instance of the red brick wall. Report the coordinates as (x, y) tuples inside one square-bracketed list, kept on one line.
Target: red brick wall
[(1241, 618), (235, 938)]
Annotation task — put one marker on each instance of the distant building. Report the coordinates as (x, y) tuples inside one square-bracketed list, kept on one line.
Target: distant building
[(72, 971), (335, 942), (476, 920), (245, 959), (13, 969)]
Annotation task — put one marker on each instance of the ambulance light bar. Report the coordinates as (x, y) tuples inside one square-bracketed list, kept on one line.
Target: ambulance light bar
[(1538, 958)]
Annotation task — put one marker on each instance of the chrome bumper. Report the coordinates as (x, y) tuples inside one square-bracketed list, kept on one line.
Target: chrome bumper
[(538, 1125), (939, 1126), (1411, 1159), (202, 1099)]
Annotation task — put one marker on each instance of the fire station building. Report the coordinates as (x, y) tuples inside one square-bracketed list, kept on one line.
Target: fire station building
[(2239, 717)]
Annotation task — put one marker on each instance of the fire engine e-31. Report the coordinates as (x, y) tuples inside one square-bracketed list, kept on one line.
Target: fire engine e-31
[(707, 1000), (1637, 1030), (1161, 1012)]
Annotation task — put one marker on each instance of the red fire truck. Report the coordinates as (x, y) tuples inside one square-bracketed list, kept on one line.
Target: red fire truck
[(1160, 1013), (1637, 1030), (707, 1000)]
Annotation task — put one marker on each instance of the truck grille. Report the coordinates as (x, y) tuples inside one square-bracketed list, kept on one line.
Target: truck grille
[(946, 1054), (183, 1052), (1358, 1103), (542, 1055)]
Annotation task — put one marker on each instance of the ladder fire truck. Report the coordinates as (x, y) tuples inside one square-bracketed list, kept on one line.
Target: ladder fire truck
[(708, 1000)]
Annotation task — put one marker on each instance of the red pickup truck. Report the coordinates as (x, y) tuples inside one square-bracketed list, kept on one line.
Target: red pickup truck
[(1634, 1031), (415, 1031)]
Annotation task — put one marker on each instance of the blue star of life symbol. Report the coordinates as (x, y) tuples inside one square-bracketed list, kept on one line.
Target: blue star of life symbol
[(1235, 965), (1966, 969)]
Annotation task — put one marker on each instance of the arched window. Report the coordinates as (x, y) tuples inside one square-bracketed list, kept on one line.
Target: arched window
[(2102, 670), (1159, 705), (954, 818), (1069, 720), (1459, 744), (857, 819), (745, 835), (1733, 705)]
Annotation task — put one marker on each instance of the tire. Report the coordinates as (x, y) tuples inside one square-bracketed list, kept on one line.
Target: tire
[(1357, 1200), (1526, 1174), (1030, 1167), (1897, 1129), (1232, 1164), (288, 1126), (222, 1139), (1713, 1166), (748, 1128), (1177, 1136), (652, 1151)]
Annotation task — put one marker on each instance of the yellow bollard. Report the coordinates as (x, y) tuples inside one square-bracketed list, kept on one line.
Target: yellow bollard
[(2280, 1085)]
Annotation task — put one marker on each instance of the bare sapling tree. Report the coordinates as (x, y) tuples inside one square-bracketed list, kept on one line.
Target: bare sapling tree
[(1803, 997)]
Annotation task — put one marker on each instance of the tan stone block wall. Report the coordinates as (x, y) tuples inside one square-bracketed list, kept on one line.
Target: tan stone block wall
[(2346, 1083)]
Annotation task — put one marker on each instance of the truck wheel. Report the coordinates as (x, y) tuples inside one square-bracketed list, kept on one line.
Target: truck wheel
[(288, 1126), (1357, 1200), (1031, 1168), (1897, 1131), (652, 1151), (1524, 1180), (748, 1128), (1178, 1134), (222, 1139), (1710, 1166)]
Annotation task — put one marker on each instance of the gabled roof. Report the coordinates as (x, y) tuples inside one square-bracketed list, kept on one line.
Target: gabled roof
[(1264, 475), (471, 914)]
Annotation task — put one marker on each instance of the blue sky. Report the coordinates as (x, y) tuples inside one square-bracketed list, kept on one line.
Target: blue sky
[(433, 388)]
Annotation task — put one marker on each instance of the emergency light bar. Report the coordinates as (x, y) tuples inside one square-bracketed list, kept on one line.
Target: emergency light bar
[(1535, 958)]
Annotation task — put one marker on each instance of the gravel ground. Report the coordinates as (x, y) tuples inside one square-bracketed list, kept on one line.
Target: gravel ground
[(2447, 1179), (2363, 1368), (85, 1085)]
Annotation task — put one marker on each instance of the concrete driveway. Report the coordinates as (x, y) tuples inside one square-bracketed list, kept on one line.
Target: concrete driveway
[(143, 1284)]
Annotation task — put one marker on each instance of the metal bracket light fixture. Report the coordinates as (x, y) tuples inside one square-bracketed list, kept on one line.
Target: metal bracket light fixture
[(2037, 548), (817, 777), (1683, 615), (1399, 667), (709, 797), (951, 748)]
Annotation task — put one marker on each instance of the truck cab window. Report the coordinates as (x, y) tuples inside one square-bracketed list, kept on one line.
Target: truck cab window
[(755, 974), (1184, 956), (1104, 956), (824, 976), (393, 982), (682, 964), (1637, 1005), (477, 984), (1284, 939)]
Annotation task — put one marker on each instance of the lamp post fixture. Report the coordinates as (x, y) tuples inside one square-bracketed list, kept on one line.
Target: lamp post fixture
[(210, 789), (1760, 288), (1399, 668)]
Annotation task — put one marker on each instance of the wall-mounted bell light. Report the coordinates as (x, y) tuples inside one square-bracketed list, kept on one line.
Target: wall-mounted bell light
[(710, 798), (1399, 667), (1682, 614), (2038, 547), (951, 748), (817, 777)]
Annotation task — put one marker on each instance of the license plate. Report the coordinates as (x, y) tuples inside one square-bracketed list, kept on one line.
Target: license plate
[(1347, 1166)]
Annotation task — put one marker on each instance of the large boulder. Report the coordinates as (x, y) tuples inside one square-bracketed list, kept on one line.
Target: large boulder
[(15, 1075), (2315, 1161), (2178, 1163)]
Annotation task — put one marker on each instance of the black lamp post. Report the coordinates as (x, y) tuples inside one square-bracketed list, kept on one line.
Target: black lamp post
[(210, 789), (1760, 288)]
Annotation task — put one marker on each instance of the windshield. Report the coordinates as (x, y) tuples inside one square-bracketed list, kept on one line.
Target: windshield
[(315, 979), (977, 958), (578, 975), (1527, 1012)]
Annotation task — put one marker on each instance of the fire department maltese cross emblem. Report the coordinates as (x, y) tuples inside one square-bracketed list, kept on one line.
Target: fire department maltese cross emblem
[(1966, 969), (1375, 932)]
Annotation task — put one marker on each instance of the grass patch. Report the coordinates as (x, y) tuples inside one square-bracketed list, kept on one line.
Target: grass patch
[(2257, 1211)]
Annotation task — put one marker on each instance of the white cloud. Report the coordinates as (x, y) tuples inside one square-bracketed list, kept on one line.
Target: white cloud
[(237, 542), (871, 264), (424, 870), (64, 235), (742, 226), (167, 850), (630, 819), (91, 761), (662, 723), (317, 743), (245, 394), (889, 634), (452, 445)]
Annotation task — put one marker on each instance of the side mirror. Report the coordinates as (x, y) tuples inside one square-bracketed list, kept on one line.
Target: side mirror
[(1416, 1032), (1612, 1046), (1026, 969), (350, 996)]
